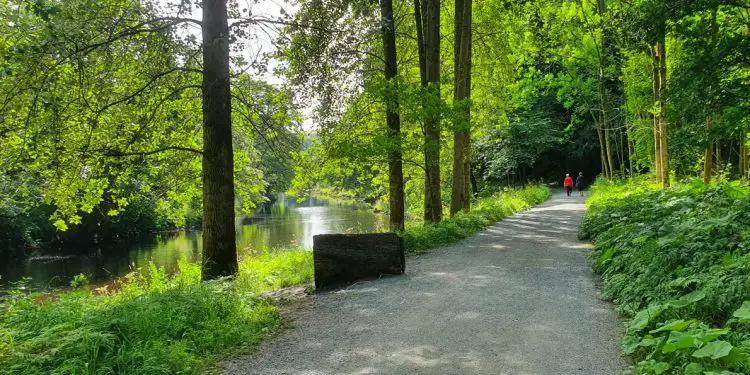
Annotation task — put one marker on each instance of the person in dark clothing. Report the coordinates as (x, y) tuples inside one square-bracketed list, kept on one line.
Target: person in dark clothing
[(579, 182), (568, 183)]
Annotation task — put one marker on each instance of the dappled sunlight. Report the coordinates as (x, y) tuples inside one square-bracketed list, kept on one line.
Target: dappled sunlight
[(468, 315), (517, 299), (563, 207)]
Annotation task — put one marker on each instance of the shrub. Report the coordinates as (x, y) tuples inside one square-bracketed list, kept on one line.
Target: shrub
[(676, 261)]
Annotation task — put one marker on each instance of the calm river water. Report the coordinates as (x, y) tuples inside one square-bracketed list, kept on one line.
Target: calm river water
[(284, 224)]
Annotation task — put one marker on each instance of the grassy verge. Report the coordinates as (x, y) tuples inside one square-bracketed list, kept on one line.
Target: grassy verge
[(155, 324), (421, 239), (677, 263)]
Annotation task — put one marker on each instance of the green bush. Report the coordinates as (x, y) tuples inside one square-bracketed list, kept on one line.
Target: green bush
[(421, 239), (151, 323), (677, 262)]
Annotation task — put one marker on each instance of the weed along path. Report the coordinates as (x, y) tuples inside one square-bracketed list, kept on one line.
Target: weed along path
[(518, 298)]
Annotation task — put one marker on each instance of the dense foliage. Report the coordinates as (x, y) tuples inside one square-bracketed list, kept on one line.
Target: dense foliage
[(676, 262), (146, 323), (100, 123)]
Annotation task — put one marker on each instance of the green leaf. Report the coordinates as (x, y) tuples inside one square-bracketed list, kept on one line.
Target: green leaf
[(679, 340), (694, 369), (743, 313), (606, 256), (677, 325), (714, 350), (60, 225), (630, 343), (712, 334), (644, 317), (688, 299)]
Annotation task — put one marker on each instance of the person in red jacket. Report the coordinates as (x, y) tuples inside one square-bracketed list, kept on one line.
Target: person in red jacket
[(568, 183)]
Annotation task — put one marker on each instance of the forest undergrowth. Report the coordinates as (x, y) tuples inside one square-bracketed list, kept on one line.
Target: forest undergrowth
[(676, 262), (150, 322)]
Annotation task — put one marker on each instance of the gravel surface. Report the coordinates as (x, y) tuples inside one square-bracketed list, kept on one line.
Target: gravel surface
[(518, 298)]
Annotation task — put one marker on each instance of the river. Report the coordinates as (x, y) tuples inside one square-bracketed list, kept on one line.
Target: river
[(284, 224)]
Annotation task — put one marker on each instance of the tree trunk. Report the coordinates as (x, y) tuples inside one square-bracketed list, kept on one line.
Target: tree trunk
[(663, 124), (657, 127), (395, 168), (631, 149), (657, 149), (743, 158), (219, 246), (605, 121), (460, 198), (420, 45), (474, 187), (719, 165), (433, 207), (708, 156), (602, 154)]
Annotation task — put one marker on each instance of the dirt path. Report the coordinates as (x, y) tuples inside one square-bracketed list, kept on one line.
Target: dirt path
[(518, 298)]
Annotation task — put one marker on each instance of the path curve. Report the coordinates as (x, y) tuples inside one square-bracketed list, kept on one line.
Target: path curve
[(518, 298)]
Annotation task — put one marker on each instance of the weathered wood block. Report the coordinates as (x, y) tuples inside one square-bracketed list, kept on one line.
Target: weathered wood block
[(344, 258)]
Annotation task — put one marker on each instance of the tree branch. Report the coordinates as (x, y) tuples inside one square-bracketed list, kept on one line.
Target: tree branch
[(116, 153)]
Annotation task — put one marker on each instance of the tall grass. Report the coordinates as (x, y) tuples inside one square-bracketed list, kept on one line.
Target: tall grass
[(421, 239), (154, 324), (677, 262)]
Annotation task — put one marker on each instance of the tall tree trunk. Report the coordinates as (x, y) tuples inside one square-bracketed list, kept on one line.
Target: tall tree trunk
[(663, 124), (474, 187), (420, 46), (460, 198), (657, 149), (605, 121), (433, 207), (219, 246), (631, 148), (743, 157), (602, 154), (719, 165), (708, 156), (657, 128), (395, 168)]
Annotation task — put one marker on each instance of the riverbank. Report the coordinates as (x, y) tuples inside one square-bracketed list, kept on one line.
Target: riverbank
[(285, 223), (676, 262), (151, 322)]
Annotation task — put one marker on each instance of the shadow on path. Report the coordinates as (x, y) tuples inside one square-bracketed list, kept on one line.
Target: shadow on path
[(518, 298)]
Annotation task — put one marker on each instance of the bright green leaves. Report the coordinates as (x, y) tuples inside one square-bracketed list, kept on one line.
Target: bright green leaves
[(683, 250), (743, 313), (676, 325), (646, 316), (100, 100), (714, 350)]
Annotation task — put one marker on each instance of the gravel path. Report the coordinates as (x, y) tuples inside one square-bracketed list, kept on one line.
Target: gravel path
[(518, 298)]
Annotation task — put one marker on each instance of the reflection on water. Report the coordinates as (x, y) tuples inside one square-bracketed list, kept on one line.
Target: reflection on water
[(282, 225)]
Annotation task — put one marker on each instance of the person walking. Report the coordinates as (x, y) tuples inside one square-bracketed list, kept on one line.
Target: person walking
[(579, 182), (568, 183)]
